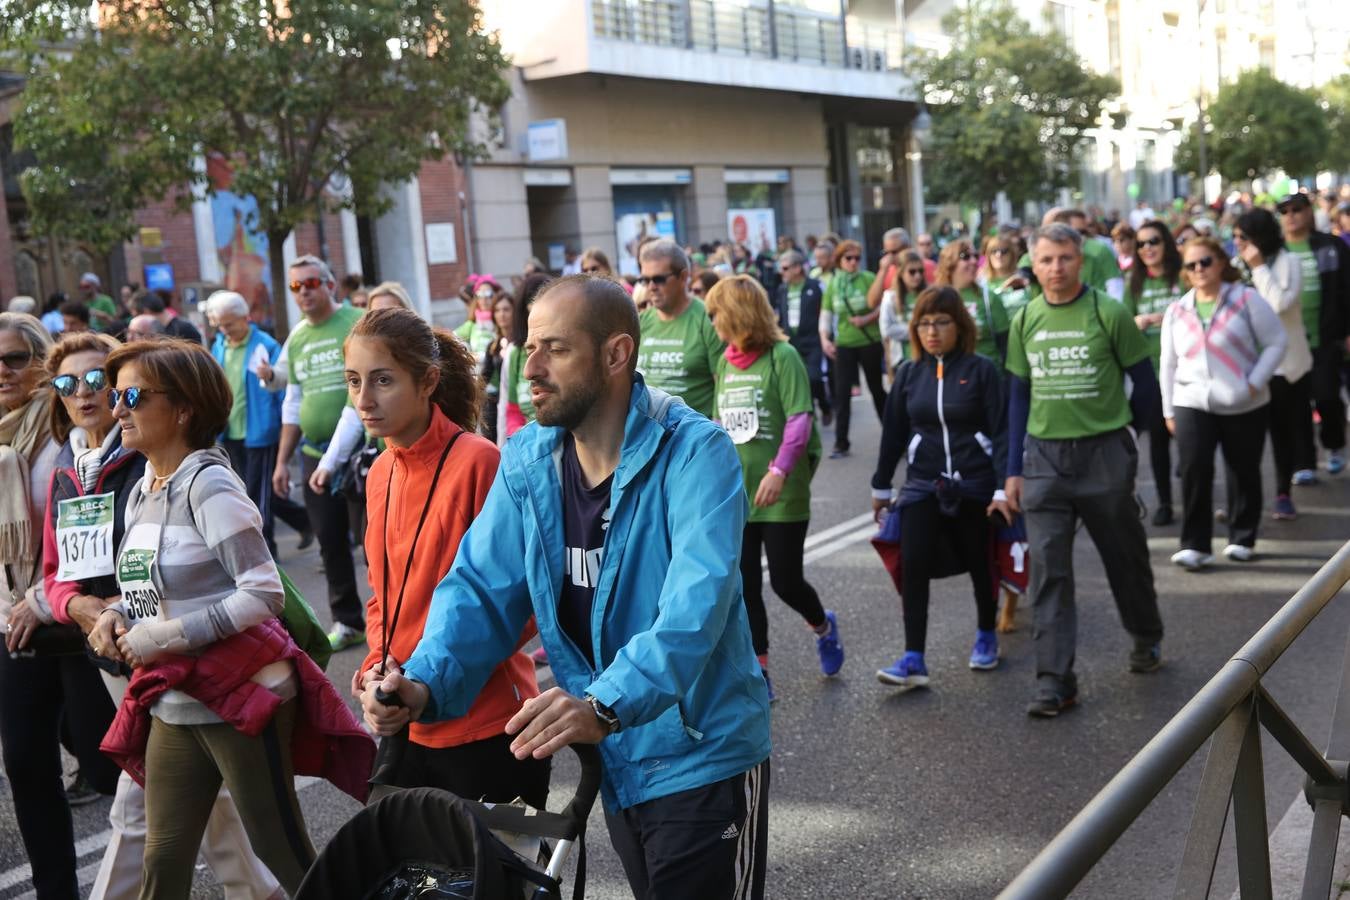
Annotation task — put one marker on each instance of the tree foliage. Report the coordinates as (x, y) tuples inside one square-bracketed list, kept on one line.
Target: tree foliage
[(118, 113), (1009, 106), (1258, 125), (1336, 106)]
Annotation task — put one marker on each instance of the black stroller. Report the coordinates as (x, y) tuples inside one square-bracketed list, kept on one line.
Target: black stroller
[(428, 844)]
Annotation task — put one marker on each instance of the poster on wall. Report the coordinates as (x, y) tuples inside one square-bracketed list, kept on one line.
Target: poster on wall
[(755, 228), (632, 229), (241, 247)]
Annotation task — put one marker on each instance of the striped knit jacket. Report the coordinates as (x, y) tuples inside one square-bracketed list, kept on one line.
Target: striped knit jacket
[(1225, 366)]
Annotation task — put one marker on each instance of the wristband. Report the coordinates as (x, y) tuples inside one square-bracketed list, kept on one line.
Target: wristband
[(777, 471), (606, 715)]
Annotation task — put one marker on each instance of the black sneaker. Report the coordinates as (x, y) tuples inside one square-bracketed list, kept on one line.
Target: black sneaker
[(1145, 658), (81, 792), (306, 539), (839, 453), (1050, 702), (1163, 515)]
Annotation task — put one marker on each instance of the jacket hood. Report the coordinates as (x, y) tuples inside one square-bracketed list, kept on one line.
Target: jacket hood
[(193, 463)]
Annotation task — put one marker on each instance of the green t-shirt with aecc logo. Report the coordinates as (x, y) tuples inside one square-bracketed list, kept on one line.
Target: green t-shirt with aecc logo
[(680, 356), (1013, 300), (237, 427), (794, 308), (847, 296), (753, 405), (314, 353), (477, 336), (991, 319), (1155, 296), (1310, 301), (1074, 356), (517, 387)]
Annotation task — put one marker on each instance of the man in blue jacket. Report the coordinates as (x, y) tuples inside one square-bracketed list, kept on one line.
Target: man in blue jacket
[(254, 429), (615, 520)]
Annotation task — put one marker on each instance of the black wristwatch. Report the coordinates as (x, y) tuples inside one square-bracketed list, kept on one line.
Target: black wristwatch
[(605, 715)]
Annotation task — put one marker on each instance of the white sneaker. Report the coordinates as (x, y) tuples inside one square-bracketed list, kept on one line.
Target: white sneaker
[(1238, 553), (1192, 560)]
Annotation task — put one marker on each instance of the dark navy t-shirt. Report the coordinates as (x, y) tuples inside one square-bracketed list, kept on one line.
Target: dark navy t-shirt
[(585, 521)]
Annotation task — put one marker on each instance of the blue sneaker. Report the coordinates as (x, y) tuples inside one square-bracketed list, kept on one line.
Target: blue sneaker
[(830, 647), (773, 698), (1305, 478), (1284, 509), (906, 673), (984, 656), (1335, 463)]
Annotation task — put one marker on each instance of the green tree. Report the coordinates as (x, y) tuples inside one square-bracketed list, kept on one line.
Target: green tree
[(1336, 107), (119, 113), (1257, 125), (1009, 107)]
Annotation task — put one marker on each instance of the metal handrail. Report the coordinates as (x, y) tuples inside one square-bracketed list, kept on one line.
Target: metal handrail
[(1229, 707)]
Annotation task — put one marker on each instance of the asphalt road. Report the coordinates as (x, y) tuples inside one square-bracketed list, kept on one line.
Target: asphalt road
[(948, 792)]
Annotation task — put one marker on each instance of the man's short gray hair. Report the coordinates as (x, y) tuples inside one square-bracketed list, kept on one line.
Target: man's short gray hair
[(310, 259), (1058, 233), (898, 234), (225, 303), (668, 250), (792, 258), (23, 304)]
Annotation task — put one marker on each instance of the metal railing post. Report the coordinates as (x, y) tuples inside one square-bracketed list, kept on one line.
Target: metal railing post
[(1249, 817), (1196, 873)]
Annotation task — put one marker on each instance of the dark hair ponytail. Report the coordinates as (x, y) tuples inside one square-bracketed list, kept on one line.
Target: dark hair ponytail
[(417, 346)]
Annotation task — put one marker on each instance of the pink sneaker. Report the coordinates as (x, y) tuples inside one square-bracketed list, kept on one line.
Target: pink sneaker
[(540, 657)]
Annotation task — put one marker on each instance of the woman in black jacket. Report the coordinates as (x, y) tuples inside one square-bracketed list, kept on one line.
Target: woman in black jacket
[(947, 413)]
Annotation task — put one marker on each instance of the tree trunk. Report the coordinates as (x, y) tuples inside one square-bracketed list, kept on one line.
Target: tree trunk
[(276, 256)]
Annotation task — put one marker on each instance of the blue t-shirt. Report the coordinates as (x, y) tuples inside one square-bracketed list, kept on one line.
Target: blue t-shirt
[(585, 521)]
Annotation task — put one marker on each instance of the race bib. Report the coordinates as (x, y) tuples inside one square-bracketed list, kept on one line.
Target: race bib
[(139, 593), (740, 415), (84, 537)]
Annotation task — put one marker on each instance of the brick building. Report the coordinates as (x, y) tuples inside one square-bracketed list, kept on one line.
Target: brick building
[(421, 242)]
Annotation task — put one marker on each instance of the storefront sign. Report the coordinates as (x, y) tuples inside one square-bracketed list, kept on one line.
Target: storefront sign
[(650, 176), (632, 229), (441, 246), (755, 228), (159, 277), (546, 140), (755, 176), (548, 177)]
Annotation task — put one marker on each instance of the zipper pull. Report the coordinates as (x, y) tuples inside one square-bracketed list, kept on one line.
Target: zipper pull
[(939, 368)]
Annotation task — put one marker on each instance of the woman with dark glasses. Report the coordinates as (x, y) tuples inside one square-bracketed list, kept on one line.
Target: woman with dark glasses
[(1278, 277), (956, 268), (858, 343), (1220, 345), (896, 305), (999, 270), (86, 507), (1153, 284), (37, 692)]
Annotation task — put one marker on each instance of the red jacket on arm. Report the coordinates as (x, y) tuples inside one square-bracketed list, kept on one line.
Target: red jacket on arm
[(328, 741)]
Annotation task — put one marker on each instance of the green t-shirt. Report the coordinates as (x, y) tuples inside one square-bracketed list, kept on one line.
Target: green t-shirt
[(104, 304), (847, 296), (753, 405), (1014, 300), (237, 427), (477, 337), (794, 308), (1074, 356), (1205, 309), (680, 356), (1310, 301), (991, 319), (1155, 297), (314, 353)]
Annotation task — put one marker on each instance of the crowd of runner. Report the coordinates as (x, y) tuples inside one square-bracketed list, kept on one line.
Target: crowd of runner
[(601, 461)]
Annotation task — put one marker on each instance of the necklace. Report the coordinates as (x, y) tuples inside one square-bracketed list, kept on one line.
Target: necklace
[(159, 481)]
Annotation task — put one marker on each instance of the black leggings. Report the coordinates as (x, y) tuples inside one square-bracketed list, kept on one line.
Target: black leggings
[(36, 694), (1291, 428), (782, 543), (920, 529), (1158, 440), (847, 361)]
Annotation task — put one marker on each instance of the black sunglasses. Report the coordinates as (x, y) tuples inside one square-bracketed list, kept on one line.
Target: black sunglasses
[(851, 258), (592, 270), (965, 255), (68, 385), (1202, 263), (16, 361), (129, 397), (1151, 242), (1000, 251), (657, 280)]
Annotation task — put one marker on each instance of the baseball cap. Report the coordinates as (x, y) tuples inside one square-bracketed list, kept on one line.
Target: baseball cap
[(91, 278), (1294, 201)]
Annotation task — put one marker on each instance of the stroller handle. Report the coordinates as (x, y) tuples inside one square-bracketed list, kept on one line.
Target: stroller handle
[(588, 788)]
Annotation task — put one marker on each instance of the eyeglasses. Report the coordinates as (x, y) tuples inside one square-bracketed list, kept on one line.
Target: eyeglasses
[(1000, 251), (129, 397), (68, 385), (1181, 241), (657, 280), (16, 361), (965, 255), (934, 324), (1150, 242), (312, 283), (592, 270), (852, 257), (1198, 264), (915, 272)]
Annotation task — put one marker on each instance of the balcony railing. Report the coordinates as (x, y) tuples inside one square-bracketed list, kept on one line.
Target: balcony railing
[(769, 31)]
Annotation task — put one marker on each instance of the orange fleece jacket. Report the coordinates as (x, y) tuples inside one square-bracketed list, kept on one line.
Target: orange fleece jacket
[(405, 476)]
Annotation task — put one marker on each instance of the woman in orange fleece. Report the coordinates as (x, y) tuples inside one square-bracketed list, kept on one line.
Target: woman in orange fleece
[(417, 387)]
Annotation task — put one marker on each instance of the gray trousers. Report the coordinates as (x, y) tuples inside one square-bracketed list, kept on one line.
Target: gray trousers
[(1092, 480)]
